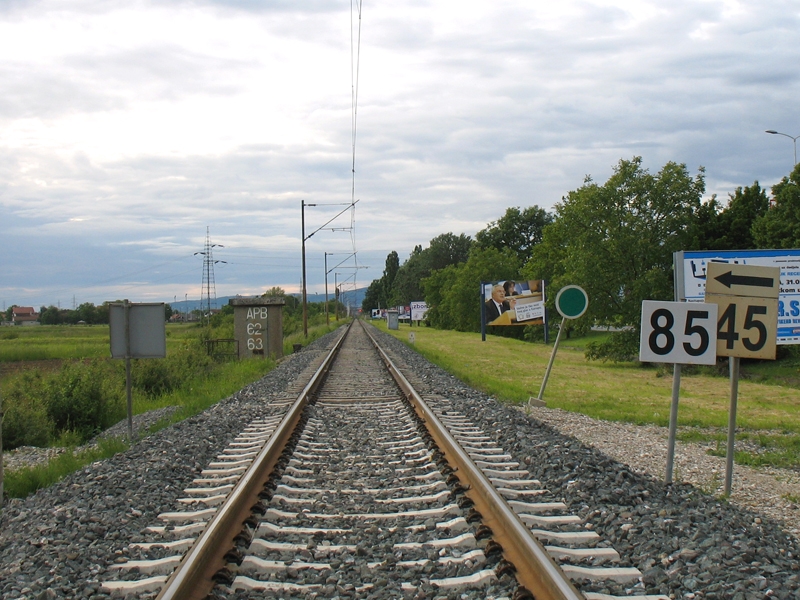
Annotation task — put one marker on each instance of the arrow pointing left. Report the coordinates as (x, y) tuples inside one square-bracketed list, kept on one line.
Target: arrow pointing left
[(729, 279)]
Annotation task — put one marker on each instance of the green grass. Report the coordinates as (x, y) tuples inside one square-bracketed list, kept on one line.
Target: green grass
[(768, 414), (65, 342), (314, 332)]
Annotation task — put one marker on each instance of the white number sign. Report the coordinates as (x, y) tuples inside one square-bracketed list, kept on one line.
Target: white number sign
[(678, 332)]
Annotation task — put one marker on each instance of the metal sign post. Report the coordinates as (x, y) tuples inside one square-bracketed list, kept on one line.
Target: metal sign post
[(679, 333), (136, 331), (747, 297), (571, 302), (673, 421), (128, 394)]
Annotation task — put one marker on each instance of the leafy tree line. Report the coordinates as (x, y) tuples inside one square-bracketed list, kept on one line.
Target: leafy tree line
[(615, 239), (85, 313)]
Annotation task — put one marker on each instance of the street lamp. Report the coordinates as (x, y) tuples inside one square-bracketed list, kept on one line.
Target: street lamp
[(793, 138)]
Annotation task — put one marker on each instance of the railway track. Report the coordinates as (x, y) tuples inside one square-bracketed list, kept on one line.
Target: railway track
[(360, 487)]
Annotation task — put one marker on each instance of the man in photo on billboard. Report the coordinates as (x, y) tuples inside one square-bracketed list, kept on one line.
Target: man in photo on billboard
[(497, 304)]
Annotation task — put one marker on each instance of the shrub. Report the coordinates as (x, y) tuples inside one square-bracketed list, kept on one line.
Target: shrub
[(157, 376), (189, 362), (153, 377), (26, 422), (621, 346), (82, 398)]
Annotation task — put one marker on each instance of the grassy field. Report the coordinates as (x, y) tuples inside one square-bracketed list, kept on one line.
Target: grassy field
[(512, 371), (62, 342)]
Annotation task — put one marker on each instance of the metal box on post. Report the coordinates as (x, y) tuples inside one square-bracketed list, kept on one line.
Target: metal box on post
[(258, 326)]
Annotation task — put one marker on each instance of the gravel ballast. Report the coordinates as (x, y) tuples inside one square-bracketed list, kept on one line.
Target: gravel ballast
[(59, 542), (687, 543)]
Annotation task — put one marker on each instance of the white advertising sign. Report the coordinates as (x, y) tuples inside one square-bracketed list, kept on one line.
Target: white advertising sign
[(526, 312), (418, 310), (678, 332)]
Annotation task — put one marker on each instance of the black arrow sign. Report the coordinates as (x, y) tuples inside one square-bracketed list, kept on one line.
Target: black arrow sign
[(728, 279)]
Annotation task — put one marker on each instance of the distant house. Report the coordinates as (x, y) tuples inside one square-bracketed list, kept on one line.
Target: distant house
[(24, 315)]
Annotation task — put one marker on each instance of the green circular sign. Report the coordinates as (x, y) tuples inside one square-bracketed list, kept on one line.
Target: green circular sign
[(572, 301)]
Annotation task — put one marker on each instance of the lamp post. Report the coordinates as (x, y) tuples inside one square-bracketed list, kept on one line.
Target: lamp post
[(794, 141)]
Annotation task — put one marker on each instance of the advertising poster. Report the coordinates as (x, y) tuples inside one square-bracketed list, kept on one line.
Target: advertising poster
[(418, 310), (690, 281), (513, 302)]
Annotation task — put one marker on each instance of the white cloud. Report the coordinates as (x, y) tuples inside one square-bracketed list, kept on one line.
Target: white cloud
[(127, 129)]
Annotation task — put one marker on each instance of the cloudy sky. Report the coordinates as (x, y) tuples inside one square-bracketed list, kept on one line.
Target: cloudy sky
[(130, 129)]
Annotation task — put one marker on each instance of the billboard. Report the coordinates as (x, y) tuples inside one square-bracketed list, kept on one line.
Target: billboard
[(690, 281), (418, 310), (512, 302)]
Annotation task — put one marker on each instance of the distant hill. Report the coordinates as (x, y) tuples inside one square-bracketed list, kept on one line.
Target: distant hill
[(351, 297)]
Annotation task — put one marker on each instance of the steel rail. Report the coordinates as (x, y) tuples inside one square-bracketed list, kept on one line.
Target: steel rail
[(535, 568), (192, 579)]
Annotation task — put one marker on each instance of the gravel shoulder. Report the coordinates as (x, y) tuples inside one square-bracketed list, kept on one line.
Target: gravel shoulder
[(644, 450)]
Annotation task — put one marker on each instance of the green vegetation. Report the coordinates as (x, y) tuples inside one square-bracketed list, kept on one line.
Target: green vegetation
[(70, 394), (511, 370), (23, 482), (64, 342), (615, 239)]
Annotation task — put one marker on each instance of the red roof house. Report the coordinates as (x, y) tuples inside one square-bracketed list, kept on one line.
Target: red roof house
[(24, 315)]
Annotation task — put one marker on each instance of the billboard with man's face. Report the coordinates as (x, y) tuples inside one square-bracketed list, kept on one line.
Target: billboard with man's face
[(513, 302)]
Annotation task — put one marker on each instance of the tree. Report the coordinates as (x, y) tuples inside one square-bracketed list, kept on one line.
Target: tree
[(274, 292), (453, 294), (379, 291), (86, 312), (729, 227), (372, 297), (390, 272), (50, 316), (519, 230), (779, 227), (447, 249), (616, 240), (443, 250)]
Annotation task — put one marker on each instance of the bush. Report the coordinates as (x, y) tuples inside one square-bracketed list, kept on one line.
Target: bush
[(189, 362), (82, 398), (621, 346), (152, 376), (157, 376), (26, 422)]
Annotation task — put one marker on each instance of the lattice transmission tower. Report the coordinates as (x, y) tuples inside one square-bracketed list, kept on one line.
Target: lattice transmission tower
[(208, 289)]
